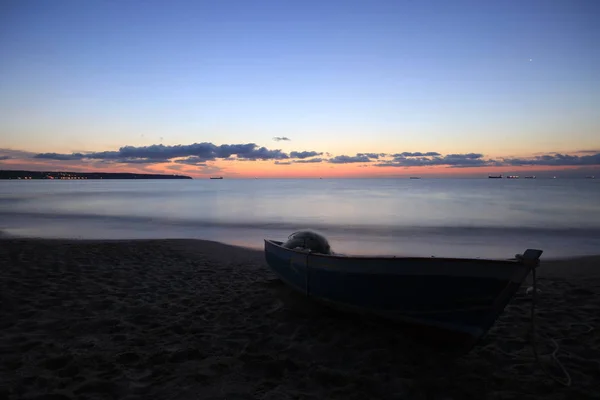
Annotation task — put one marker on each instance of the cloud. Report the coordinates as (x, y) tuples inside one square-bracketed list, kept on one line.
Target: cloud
[(435, 159), (302, 161), (2, 158), (374, 156), (10, 154), (555, 160), (417, 154), (304, 154), (194, 160), (280, 138), (349, 159), (160, 153), (467, 160), (135, 161), (104, 157), (60, 157), (201, 154), (477, 160), (310, 160), (262, 153)]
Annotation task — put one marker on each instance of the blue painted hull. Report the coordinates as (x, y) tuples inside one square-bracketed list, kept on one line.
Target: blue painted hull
[(459, 296)]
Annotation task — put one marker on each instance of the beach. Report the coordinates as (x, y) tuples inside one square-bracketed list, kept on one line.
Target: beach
[(194, 319)]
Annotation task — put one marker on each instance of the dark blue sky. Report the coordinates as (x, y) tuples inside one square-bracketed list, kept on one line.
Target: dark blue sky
[(485, 76)]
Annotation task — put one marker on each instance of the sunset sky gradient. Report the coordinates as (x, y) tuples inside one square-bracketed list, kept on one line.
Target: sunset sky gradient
[(489, 87)]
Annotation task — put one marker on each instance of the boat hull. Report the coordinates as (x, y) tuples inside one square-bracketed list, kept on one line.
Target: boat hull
[(458, 299)]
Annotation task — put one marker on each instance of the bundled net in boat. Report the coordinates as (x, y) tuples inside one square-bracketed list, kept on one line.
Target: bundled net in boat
[(308, 240)]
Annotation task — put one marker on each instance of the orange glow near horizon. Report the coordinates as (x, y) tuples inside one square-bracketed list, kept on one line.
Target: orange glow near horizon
[(267, 169)]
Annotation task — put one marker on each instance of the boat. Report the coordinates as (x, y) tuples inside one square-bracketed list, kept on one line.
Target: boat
[(415, 177), (216, 177), (512, 177), (530, 177), (495, 176), (450, 300)]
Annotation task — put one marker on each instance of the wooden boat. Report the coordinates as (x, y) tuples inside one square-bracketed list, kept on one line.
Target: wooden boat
[(455, 299)]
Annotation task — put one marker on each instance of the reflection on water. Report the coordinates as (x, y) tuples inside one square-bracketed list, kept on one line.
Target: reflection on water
[(461, 217)]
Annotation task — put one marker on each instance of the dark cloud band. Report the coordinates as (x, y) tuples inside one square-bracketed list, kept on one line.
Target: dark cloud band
[(200, 153), (160, 153)]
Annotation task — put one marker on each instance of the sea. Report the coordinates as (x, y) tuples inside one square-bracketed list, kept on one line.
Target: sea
[(487, 218)]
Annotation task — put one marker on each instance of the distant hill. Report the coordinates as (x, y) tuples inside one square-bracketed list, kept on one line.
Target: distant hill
[(63, 175)]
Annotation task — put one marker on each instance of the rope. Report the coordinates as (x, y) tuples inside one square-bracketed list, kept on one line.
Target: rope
[(566, 382)]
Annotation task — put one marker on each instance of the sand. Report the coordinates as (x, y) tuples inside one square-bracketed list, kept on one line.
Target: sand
[(187, 319)]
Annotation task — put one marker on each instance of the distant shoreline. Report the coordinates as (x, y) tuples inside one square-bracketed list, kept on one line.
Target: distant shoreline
[(27, 175), (66, 175)]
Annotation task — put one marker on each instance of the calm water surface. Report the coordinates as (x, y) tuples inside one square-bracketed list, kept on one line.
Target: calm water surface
[(453, 217)]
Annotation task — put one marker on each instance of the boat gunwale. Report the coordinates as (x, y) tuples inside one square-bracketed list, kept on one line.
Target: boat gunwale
[(511, 262)]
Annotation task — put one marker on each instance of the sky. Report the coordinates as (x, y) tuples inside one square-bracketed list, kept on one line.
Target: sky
[(305, 88)]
